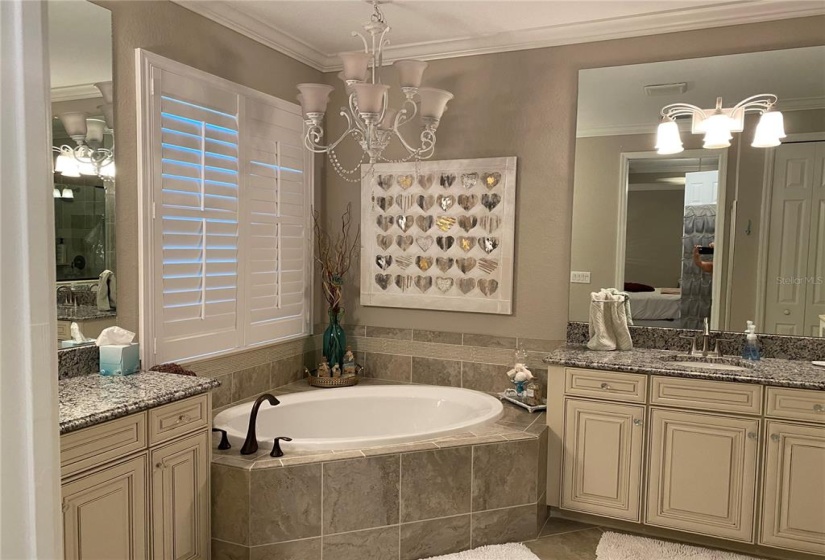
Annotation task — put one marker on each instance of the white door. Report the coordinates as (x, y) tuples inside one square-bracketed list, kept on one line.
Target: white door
[(788, 238), (815, 294), (701, 187)]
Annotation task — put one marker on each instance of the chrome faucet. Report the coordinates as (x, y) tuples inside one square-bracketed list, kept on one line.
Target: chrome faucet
[(250, 445), (705, 337), (68, 290)]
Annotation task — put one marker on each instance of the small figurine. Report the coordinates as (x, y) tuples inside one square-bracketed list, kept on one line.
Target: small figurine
[(350, 368), (336, 371), (323, 369), (520, 375)]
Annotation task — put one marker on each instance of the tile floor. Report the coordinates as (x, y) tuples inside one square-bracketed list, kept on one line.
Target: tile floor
[(562, 539)]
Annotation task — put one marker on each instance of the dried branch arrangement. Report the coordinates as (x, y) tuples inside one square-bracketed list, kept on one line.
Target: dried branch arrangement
[(335, 255)]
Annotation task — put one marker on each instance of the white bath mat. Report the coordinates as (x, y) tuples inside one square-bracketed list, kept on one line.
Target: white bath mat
[(616, 546), (513, 551)]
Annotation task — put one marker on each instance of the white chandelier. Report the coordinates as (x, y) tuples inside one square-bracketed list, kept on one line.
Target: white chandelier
[(89, 156), (719, 124), (370, 120)]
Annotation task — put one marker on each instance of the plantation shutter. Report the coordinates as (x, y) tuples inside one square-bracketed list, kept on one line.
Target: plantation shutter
[(197, 210), (276, 215)]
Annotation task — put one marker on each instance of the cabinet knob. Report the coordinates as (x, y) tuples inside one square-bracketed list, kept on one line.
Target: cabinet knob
[(787, 312), (818, 408), (774, 437), (638, 421), (605, 386), (159, 465), (65, 506), (753, 435), (183, 418)]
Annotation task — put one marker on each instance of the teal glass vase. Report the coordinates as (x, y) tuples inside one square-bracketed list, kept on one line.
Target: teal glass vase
[(335, 341)]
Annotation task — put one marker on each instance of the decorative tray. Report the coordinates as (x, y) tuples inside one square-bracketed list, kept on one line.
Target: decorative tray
[(515, 401), (331, 382)]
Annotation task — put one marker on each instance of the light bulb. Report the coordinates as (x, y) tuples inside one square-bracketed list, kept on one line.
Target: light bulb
[(717, 138), (668, 140), (108, 171), (67, 193), (769, 130), (85, 168), (66, 166), (56, 192)]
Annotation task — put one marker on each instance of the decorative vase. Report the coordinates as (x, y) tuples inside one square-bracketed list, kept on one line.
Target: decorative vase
[(335, 341)]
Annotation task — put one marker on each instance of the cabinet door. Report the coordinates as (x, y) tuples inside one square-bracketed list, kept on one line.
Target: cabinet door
[(603, 458), (702, 473), (180, 499), (793, 506), (104, 513)]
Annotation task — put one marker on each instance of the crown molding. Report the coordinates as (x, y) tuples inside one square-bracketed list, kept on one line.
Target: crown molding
[(73, 93), (735, 12), (801, 104)]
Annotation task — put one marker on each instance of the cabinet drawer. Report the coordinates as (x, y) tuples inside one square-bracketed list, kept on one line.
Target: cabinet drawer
[(609, 385), (719, 396), (96, 445), (175, 419), (64, 330), (796, 404)]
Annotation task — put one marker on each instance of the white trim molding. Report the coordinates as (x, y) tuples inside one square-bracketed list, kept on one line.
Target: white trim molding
[(73, 93), (232, 15)]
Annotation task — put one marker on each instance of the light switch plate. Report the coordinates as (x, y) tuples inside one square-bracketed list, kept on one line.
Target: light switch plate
[(577, 277)]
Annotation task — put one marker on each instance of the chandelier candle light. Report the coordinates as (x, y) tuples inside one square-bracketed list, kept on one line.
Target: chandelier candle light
[(370, 120), (89, 156), (719, 124)]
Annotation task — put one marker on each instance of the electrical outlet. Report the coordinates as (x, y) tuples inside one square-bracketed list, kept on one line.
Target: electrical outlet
[(579, 277)]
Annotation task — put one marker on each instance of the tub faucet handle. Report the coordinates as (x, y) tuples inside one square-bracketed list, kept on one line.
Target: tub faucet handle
[(276, 446), (224, 444)]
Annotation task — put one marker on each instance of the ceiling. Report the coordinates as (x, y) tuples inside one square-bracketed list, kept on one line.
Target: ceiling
[(314, 31), (612, 100), (77, 60)]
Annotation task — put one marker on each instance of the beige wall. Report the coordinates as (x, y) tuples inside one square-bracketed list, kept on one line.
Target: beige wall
[(653, 252), (177, 33)]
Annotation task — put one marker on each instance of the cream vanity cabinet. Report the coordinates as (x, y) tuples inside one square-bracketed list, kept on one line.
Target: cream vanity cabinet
[(138, 487), (686, 455)]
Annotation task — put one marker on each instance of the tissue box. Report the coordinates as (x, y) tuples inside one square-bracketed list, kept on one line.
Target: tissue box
[(120, 359)]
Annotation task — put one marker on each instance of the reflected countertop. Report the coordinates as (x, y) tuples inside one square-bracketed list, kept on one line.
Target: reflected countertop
[(768, 371), (82, 313)]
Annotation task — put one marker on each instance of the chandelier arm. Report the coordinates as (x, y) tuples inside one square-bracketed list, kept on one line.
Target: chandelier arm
[(404, 115), (363, 39)]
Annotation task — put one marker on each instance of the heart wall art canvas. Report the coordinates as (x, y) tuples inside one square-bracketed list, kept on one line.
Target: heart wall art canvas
[(439, 235)]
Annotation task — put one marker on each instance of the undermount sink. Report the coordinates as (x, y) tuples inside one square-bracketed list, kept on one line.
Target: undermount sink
[(708, 362)]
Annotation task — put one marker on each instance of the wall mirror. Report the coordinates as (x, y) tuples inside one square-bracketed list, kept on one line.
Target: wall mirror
[(732, 233), (83, 159)]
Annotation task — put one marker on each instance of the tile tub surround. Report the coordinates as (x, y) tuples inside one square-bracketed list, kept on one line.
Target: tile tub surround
[(773, 346), (403, 501), (768, 371), (80, 360), (92, 399)]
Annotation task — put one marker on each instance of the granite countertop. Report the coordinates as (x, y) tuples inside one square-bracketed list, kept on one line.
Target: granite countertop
[(92, 399), (768, 371), (82, 313)]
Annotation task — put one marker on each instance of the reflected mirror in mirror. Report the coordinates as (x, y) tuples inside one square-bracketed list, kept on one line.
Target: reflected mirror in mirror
[(84, 172), (730, 233)]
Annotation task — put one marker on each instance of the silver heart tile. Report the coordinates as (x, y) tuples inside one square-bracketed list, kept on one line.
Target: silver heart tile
[(384, 241), (488, 244), (465, 265), (445, 201), (424, 263), (405, 223), (467, 201), (445, 242), (425, 202), (444, 284), (487, 286), (385, 181), (466, 243), (467, 222), (424, 241), (426, 181), (444, 263), (383, 202), (424, 223), (383, 280), (403, 262), (403, 282), (383, 261), (490, 222), (490, 201), (469, 180), (447, 180), (490, 180), (405, 201), (404, 242), (404, 181), (423, 283), (487, 265), (466, 285), (385, 222)]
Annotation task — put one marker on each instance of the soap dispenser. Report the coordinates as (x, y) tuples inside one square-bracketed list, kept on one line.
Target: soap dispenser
[(751, 349)]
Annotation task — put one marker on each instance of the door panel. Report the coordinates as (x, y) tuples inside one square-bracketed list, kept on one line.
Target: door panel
[(603, 458), (815, 306), (702, 475)]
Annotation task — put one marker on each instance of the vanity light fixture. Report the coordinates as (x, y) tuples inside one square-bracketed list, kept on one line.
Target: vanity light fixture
[(88, 156), (370, 120), (719, 124)]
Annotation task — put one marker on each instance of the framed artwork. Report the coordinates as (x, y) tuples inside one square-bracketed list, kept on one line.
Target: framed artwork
[(439, 235)]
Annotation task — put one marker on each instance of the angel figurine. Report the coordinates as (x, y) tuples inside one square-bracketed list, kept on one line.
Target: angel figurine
[(323, 369)]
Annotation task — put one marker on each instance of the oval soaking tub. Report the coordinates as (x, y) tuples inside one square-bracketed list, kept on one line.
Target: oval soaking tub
[(359, 417)]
